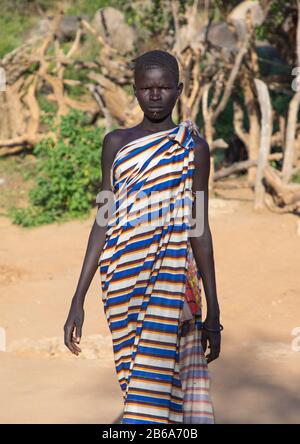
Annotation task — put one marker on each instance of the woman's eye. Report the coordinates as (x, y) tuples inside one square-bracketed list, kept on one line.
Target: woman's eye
[(161, 87)]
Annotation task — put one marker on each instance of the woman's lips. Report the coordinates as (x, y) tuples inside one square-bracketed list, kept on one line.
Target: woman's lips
[(155, 108)]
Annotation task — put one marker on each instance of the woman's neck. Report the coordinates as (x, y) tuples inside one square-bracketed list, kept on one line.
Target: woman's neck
[(153, 126)]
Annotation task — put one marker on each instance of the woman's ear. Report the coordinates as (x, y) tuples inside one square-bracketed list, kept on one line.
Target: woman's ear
[(179, 88)]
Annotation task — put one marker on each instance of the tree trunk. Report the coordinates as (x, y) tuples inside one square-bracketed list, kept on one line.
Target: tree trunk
[(265, 140)]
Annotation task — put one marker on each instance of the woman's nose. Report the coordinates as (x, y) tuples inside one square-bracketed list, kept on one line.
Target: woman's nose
[(155, 93)]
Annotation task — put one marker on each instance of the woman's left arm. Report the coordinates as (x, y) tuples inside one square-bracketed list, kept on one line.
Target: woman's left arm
[(202, 244)]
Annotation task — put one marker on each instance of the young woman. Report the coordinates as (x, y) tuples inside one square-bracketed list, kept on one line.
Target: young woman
[(151, 271)]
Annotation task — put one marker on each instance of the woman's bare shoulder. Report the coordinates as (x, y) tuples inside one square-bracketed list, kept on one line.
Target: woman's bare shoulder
[(114, 137), (112, 142), (117, 138), (201, 150), (200, 142)]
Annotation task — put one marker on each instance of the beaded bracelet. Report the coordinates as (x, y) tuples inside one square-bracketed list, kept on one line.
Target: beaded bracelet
[(212, 330)]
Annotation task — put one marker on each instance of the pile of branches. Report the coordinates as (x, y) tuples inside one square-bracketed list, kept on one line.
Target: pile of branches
[(211, 70)]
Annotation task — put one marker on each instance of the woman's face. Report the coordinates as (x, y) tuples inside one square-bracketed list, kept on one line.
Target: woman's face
[(156, 92)]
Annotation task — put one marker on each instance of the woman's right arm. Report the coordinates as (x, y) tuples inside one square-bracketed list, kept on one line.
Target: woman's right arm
[(95, 244)]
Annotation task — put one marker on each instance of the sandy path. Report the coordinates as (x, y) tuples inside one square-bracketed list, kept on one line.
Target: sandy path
[(257, 376)]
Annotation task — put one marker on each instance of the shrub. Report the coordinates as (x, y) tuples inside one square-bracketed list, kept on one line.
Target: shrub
[(68, 174)]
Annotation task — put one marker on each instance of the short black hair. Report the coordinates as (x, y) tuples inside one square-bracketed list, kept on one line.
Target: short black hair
[(157, 58)]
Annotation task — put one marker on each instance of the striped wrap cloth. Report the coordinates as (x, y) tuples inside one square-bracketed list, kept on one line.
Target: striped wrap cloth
[(150, 283)]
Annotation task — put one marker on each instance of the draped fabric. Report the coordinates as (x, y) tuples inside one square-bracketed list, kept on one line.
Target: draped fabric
[(150, 286)]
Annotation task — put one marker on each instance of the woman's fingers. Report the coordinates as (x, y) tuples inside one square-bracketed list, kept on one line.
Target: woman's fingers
[(214, 345), (74, 340), (78, 332), (73, 328), (68, 339), (204, 341)]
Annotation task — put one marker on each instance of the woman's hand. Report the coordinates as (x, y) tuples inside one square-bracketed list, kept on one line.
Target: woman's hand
[(214, 340), (74, 322)]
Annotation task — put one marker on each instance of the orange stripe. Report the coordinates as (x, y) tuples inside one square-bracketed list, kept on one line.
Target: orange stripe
[(157, 168), (146, 142), (149, 406), (151, 147), (121, 228)]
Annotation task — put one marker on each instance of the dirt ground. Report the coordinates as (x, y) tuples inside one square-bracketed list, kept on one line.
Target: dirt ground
[(256, 379)]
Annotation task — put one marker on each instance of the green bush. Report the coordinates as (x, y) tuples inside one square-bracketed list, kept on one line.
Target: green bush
[(68, 174), (296, 177), (49, 108), (13, 27)]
